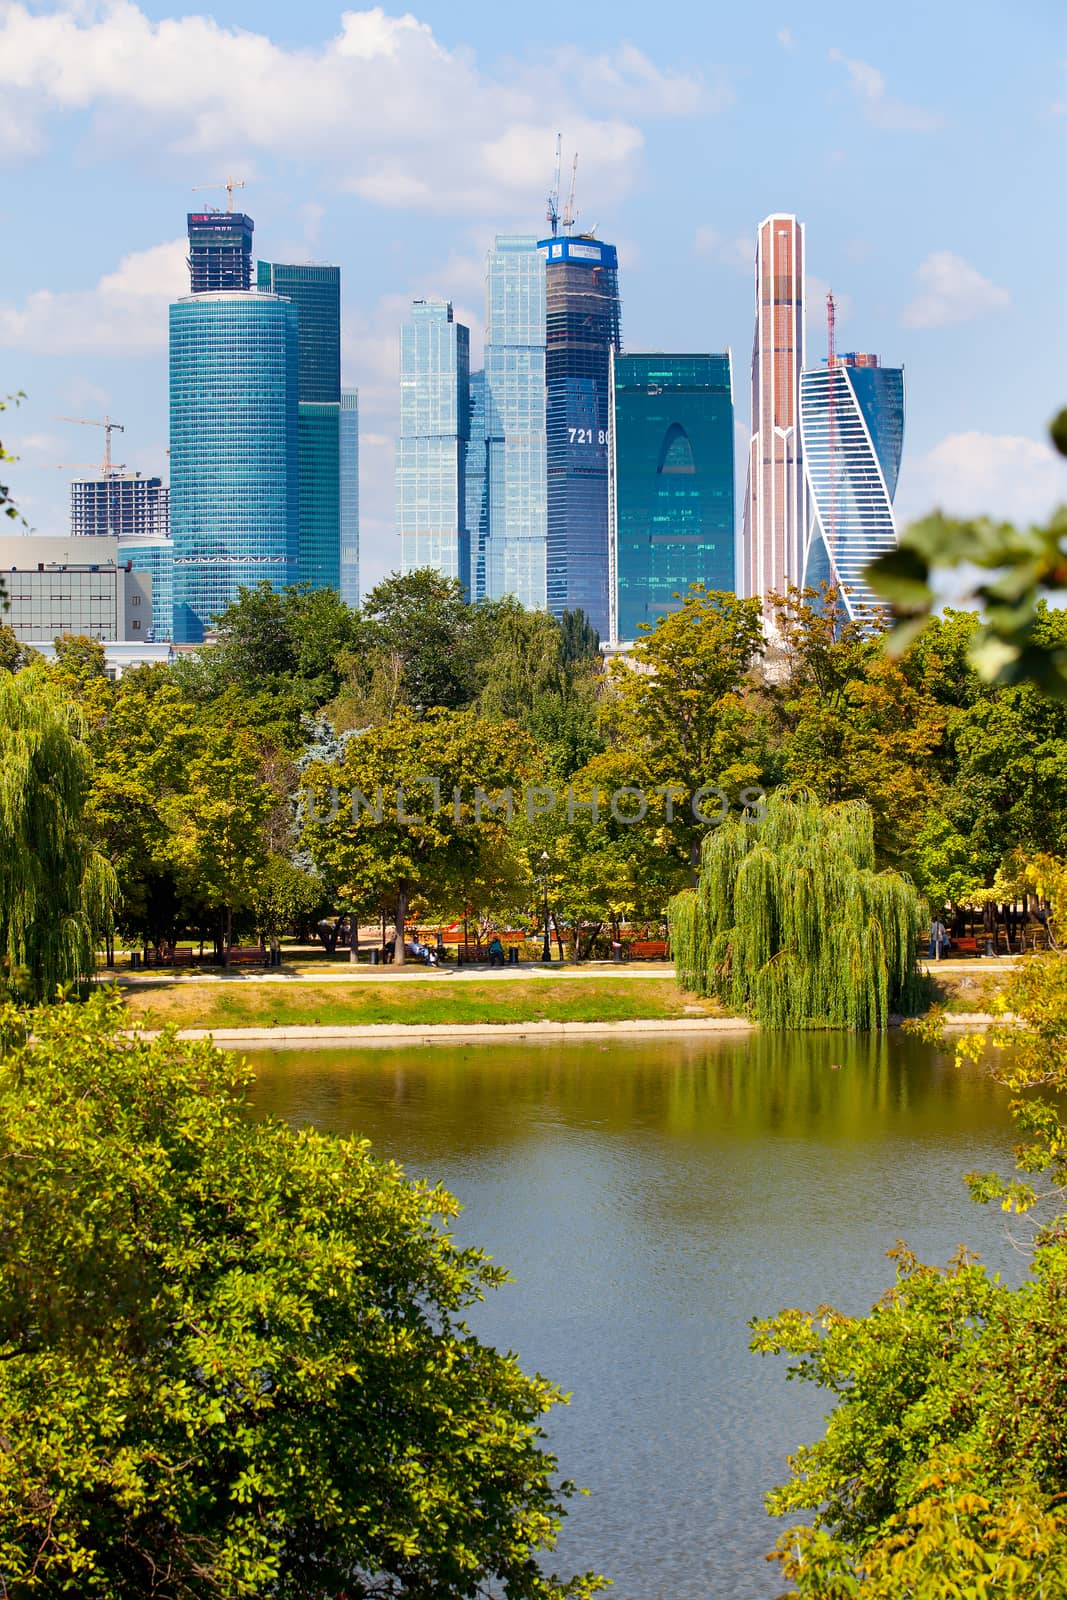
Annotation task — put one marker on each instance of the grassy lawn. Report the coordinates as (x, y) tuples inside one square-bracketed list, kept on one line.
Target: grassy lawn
[(263, 1005), (964, 992)]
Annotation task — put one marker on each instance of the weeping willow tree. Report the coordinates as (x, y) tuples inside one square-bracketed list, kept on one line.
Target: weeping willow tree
[(56, 892), (791, 923)]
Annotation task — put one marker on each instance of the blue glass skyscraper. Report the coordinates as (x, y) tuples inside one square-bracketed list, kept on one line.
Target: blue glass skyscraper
[(516, 532), (852, 426), (315, 292), (476, 488), (154, 554), (233, 451), (671, 475), (582, 329), (349, 450), (431, 502)]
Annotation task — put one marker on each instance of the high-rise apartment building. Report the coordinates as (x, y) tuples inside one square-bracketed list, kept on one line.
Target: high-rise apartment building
[(119, 505), (852, 423), (775, 511), (220, 251), (233, 451), (431, 503), (349, 453), (582, 329), (671, 484), (315, 293), (510, 550)]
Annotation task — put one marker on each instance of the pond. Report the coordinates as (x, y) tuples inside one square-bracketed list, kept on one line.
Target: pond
[(649, 1197)]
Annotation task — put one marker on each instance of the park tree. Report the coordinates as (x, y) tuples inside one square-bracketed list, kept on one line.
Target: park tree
[(943, 1468), (681, 703), (791, 922), (14, 654), (235, 1360), (385, 824), (57, 894)]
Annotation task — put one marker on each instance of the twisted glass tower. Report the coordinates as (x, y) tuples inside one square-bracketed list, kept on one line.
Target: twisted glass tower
[(852, 422), (233, 451)]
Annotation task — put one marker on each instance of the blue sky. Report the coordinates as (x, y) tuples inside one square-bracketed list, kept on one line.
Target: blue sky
[(924, 146)]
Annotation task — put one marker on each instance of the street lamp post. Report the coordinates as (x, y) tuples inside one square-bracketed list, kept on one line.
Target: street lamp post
[(546, 952)]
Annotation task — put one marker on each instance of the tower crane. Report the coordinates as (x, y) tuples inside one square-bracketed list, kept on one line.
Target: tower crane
[(107, 468), (230, 185), (553, 195)]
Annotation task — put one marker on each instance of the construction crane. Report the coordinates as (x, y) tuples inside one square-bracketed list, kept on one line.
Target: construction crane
[(107, 468), (570, 216), (553, 196), (230, 185)]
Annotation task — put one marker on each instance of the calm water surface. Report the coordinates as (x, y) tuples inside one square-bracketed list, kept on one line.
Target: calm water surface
[(650, 1197)]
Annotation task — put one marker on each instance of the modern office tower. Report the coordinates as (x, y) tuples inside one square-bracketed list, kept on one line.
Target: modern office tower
[(582, 329), (233, 451), (120, 505), (349, 451), (852, 422), (154, 556), (431, 509), (315, 291), (476, 488), (220, 251), (671, 484), (775, 512), (514, 537)]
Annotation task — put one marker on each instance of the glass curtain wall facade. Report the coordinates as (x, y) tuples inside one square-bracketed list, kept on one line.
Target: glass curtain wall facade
[(315, 292), (776, 508), (431, 503), (583, 327), (121, 507), (852, 420), (671, 478), (349, 451), (476, 487), (515, 539), (156, 557), (233, 442)]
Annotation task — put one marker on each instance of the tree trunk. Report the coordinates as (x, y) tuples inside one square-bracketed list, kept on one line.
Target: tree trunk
[(559, 938), (401, 919), (353, 939), (228, 937)]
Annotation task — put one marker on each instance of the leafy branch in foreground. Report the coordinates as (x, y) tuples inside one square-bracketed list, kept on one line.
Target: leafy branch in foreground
[(1026, 569), (943, 1469), (234, 1356)]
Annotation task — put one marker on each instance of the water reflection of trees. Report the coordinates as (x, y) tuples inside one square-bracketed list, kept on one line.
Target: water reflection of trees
[(835, 1087)]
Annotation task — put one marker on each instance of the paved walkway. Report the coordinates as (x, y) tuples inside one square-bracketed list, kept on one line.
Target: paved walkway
[(460, 1033)]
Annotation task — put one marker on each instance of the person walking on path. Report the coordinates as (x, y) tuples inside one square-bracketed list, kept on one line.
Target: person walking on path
[(938, 938)]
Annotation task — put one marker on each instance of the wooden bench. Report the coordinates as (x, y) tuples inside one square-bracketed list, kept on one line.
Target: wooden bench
[(965, 945), (647, 949), (249, 958)]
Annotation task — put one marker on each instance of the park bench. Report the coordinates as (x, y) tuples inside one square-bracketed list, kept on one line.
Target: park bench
[(249, 957), (964, 945), (647, 949)]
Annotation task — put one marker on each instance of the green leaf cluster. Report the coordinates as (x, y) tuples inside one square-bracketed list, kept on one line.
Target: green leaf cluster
[(233, 1360)]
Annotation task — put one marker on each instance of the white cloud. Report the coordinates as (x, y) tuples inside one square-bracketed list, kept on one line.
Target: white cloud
[(786, 39), (387, 111), (126, 311), (951, 290), (1005, 476), (880, 108), (738, 252)]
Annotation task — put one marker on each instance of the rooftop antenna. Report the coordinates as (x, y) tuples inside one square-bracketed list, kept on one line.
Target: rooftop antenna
[(553, 197), (230, 185), (570, 215)]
